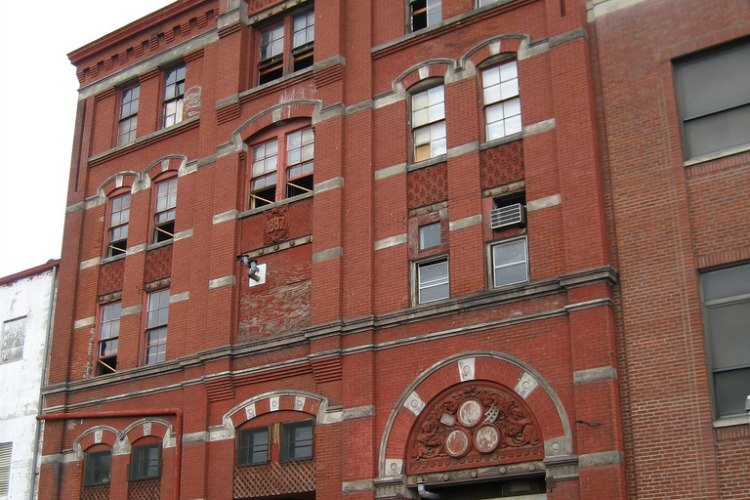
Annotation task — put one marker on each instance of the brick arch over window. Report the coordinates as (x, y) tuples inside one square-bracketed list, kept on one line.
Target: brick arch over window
[(167, 165), (494, 368), (122, 181), (270, 402), (101, 434), (511, 44), (292, 110), (437, 68), (149, 427)]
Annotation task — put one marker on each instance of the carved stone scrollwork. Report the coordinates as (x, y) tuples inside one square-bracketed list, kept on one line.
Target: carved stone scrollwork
[(474, 423)]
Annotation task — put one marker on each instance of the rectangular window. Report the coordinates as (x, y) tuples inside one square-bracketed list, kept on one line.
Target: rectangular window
[(119, 216), (300, 149), (429, 236), (12, 339), (252, 446), (713, 97), (128, 114), (97, 467), (109, 333), (425, 13), (145, 462), (156, 326), (726, 319), (502, 104), (174, 96), (286, 47), (166, 207), (296, 441), (510, 262), (428, 123), (432, 281), (6, 452), (268, 166)]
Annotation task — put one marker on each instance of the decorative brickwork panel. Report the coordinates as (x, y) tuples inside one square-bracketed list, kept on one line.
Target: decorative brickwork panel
[(274, 479), (277, 225), (474, 424), (144, 490), (279, 307), (110, 277), (427, 186), (502, 165), (158, 264), (95, 492)]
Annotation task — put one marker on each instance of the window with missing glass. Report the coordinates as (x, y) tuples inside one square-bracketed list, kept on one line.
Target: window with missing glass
[(174, 96), (425, 13), (166, 209), (428, 123), (12, 338), (286, 45), (713, 98), (726, 319), (119, 217)]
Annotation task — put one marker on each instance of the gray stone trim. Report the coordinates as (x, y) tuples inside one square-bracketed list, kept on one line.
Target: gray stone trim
[(90, 263), (474, 220), (222, 282), (179, 297), (562, 467), (600, 8), (357, 486), (135, 249), (391, 241), (84, 322), (469, 147), (386, 172), (613, 457), (539, 127), (595, 374), (335, 183), (182, 235), (546, 202), (127, 311), (225, 217), (331, 253), (277, 247)]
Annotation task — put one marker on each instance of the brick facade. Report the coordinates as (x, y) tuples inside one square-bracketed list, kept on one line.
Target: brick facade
[(532, 385)]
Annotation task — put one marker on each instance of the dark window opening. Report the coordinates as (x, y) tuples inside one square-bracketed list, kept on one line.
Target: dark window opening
[(145, 463), (97, 468), (252, 447), (296, 441)]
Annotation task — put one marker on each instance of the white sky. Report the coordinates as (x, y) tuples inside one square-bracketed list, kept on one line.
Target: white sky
[(38, 96)]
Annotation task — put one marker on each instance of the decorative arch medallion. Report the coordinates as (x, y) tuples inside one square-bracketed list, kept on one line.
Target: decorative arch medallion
[(476, 423)]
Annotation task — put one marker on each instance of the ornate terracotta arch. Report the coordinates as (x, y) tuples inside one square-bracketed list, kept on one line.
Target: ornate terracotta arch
[(534, 425)]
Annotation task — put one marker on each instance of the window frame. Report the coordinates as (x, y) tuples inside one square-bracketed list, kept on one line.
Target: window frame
[(709, 304), (503, 100), (290, 58), (247, 447), (691, 73), (289, 444), (418, 283), (118, 226), (110, 322), (432, 10), (165, 214), (173, 95), (493, 267), (141, 464), (93, 467), (436, 124), (12, 353), (284, 185), (157, 302), (127, 123)]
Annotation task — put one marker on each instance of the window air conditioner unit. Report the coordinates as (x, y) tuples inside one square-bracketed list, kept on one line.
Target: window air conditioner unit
[(509, 215)]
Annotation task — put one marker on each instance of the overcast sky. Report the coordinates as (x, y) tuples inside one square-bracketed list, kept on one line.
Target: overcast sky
[(38, 95)]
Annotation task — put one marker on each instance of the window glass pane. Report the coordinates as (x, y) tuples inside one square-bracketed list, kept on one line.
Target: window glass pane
[(13, 338), (731, 389), (429, 236), (433, 281), (727, 282), (717, 132), (509, 263), (729, 325)]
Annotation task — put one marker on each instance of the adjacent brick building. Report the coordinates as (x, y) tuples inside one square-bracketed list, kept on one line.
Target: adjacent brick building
[(373, 249)]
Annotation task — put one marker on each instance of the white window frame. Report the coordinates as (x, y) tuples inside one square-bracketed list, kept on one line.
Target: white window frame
[(128, 124), (494, 266), (502, 100), (174, 95), (419, 285), (428, 123)]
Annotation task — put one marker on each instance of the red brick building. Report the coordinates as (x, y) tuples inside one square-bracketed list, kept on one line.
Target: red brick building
[(676, 122), (359, 249)]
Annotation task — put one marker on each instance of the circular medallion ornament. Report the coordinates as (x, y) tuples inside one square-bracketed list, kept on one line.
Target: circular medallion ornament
[(457, 443), (470, 413), (486, 438)]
